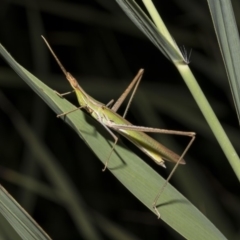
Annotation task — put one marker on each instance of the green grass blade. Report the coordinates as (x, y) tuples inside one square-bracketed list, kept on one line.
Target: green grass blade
[(165, 43), (19, 219), (228, 39), (140, 179)]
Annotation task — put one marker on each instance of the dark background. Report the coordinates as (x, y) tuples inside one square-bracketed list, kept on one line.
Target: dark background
[(102, 48)]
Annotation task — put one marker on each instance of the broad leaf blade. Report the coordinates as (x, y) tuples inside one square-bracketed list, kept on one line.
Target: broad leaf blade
[(140, 179)]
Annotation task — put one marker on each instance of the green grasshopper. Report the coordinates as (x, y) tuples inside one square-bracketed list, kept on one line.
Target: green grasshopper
[(110, 120)]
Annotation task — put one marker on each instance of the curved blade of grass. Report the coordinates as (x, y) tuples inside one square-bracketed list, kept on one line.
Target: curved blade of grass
[(19, 219), (164, 42), (228, 39), (140, 179)]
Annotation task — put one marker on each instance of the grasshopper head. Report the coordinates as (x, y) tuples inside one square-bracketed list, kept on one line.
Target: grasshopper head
[(72, 80)]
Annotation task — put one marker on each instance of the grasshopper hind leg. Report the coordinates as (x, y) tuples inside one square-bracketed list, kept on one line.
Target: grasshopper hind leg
[(154, 205)]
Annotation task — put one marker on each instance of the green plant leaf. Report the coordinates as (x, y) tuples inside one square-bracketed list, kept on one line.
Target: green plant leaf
[(228, 39), (19, 219), (167, 46), (140, 179)]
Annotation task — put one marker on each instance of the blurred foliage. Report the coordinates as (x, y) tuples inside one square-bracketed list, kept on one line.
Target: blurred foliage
[(103, 49)]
